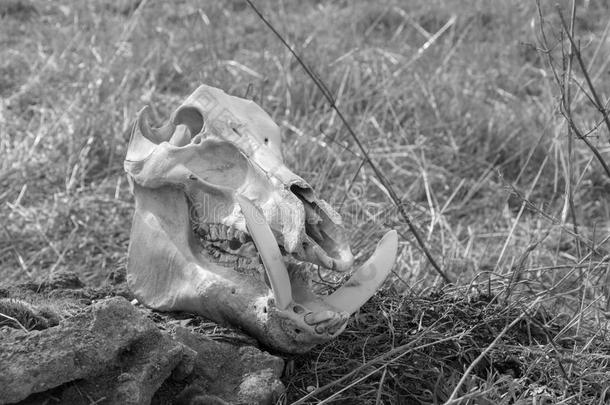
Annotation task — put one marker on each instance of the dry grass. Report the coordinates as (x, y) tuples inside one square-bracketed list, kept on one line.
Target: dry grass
[(453, 347), (466, 125)]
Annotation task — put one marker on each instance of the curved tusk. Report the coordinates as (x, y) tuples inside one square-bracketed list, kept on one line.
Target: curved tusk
[(365, 281), (268, 249)]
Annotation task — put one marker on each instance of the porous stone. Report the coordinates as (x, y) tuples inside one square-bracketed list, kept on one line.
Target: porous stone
[(88, 345), (242, 375), (108, 350)]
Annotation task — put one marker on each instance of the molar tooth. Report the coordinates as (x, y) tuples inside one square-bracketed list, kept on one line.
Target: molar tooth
[(213, 231), (243, 238), (222, 231), (203, 229)]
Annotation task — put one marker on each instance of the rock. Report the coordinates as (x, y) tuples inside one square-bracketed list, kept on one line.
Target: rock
[(108, 333), (243, 375), (261, 372), (81, 345)]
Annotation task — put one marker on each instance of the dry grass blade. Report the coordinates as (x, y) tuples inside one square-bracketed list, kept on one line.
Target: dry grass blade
[(15, 321)]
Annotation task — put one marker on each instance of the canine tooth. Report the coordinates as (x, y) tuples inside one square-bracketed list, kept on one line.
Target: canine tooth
[(268, 250), (367, 279)]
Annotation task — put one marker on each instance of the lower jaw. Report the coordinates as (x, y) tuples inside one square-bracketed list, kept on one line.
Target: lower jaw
[(278, 330)]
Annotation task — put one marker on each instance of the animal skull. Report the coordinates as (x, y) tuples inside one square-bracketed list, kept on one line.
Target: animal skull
[(223, 228)]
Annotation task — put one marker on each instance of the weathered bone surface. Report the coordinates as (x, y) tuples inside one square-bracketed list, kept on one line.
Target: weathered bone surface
[(224, 229)]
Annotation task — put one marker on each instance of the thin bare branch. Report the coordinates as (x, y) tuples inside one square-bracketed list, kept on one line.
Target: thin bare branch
[(567, 113), (598, 104)]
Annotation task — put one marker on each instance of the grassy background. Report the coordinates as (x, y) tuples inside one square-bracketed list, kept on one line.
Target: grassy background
[(465, 126)]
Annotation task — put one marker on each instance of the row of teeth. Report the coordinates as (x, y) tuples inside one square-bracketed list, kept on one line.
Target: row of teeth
[(219, 232), (220, 238), (240, 264), (233, 241), (229, 247)]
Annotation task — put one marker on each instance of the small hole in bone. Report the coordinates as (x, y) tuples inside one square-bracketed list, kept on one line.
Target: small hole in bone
[(297, 331), (233, 290), (264, 310), (298, 309), (266, 141)]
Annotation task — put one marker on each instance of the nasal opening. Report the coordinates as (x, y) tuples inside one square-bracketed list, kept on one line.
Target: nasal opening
[(322, 224), (304, 193)]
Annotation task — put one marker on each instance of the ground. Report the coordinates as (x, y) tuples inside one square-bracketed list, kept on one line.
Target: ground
[(456, 104)]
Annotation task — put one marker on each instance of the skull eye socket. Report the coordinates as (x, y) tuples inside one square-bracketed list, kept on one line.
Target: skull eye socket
[(191, 117)]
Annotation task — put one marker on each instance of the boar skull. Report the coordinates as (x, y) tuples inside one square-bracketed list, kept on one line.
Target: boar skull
[(224, 229)]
